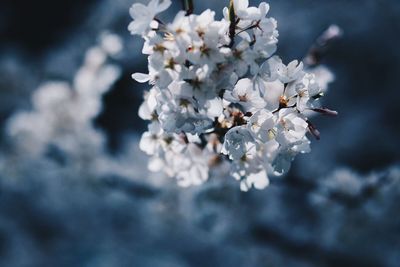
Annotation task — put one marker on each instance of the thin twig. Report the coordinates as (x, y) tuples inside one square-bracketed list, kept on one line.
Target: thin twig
[(232, 25), (187, 5), (321, 45)]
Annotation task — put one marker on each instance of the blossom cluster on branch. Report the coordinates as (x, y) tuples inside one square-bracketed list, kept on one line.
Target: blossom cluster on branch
[(220, 99)]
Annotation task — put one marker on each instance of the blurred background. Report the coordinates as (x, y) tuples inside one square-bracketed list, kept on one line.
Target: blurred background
[(75, 190)]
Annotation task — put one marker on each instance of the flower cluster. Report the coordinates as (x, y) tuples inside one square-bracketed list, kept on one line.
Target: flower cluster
[(53, 126), (220, 99)]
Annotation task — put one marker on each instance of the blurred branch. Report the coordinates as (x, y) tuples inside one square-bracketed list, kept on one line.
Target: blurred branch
[(319, 49), (309, 251), (123, 184), (368, 189)]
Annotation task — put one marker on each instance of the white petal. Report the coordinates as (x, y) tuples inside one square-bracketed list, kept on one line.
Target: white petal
[(155, 164), (136, 10), (215, 107), (240, 5), (259, 180), (141, 77), (163, 6)]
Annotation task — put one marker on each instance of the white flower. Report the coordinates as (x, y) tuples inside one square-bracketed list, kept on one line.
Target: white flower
[(243, 10), (111, 43), (143, 15), (323, 76), (266, 37), (237, 141), (181, 30), (148, 107), (261, 125), (291, 72), (62, 116), (249, 169), (245, 94), (160, 78), (215, 90), (214, 107), (275, 95), (268, 70), (151, 141), (308, 93), (291, 127), (257, 180), (244, 57), (194, 167), (179, 115)]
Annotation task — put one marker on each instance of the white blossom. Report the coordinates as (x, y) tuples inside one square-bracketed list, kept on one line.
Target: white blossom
[(238, 140), (261, 125), (218, 88), (244, 94), (143, 15)]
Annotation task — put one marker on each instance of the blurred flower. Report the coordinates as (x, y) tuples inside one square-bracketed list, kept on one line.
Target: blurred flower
[(61, 120)]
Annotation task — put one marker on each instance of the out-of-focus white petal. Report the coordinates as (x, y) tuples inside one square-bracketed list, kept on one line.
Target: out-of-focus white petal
[(141, 77)]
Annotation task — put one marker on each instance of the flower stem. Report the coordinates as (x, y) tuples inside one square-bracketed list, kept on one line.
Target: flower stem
[(232, 25), (187, 5)]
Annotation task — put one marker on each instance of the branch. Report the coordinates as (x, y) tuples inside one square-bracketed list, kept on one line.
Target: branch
[(322, 45), (232, 25), (187, 5)]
